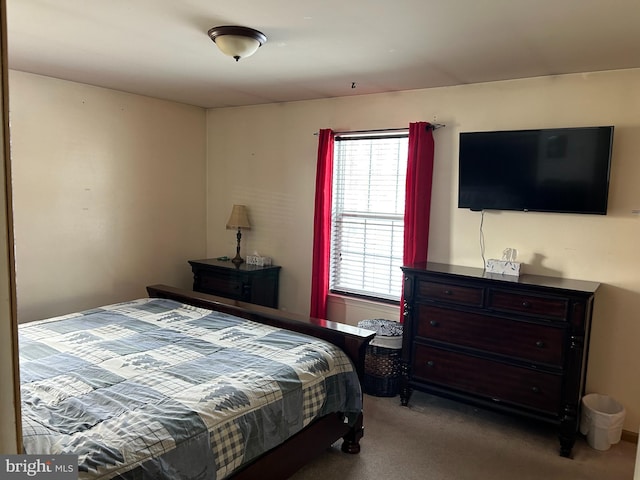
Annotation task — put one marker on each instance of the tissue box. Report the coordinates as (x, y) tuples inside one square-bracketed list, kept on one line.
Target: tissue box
[(258, 260), (503, 267)]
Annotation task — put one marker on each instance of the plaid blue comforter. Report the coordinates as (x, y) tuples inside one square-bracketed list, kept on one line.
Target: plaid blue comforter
[(154, 389)]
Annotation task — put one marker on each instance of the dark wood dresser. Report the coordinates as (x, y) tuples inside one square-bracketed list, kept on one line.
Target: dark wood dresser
[(513, 344), (247, 283)]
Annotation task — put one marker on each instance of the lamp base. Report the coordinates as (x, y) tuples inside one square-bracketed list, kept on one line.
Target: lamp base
[(238, 260)]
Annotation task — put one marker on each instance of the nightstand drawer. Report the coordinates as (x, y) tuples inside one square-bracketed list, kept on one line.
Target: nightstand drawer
[(540, 306), (462, 295), (223, 285), (526, 341), (494, 380)]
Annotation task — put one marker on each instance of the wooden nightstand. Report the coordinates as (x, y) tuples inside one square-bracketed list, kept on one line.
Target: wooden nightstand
[(247, 283)]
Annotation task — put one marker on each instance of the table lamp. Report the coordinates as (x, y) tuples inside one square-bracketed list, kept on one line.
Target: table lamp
[(238, 219)]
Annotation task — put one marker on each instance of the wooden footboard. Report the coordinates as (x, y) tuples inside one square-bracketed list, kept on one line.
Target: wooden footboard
[(284, 460)]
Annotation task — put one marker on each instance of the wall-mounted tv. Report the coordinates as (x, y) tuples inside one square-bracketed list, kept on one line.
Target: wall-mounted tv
[(564, 170)]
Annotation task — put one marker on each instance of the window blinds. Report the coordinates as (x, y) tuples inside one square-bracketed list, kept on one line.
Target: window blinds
[(368, 214)]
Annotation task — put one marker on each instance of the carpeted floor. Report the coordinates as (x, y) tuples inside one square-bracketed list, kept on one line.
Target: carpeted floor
[(435, 439)]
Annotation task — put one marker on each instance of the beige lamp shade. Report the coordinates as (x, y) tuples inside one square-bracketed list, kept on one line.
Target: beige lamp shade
[(239, 218)]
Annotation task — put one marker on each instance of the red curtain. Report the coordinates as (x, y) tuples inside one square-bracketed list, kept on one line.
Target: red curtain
[(322, 225), (417, 209), (417, 206)]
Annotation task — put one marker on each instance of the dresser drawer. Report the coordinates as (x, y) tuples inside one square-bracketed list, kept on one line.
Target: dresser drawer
[(527, 341), (462, 295), (493, 380), (540, 306)]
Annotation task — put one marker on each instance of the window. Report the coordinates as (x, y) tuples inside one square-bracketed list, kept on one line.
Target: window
[(367, 222)]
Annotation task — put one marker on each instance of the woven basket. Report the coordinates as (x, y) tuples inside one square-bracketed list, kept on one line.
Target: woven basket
[(382, 364), (381, 386), (381, 371)]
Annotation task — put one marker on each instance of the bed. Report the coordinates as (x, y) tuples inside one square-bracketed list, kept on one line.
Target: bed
[(185, 385)]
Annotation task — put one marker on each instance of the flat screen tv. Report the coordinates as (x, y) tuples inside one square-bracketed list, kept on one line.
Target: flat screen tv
[(564, 170)]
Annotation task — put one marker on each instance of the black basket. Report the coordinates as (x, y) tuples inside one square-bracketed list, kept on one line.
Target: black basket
[(381, 371)]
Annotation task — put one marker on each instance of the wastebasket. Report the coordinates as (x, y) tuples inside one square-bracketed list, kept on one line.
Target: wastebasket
[(382, 358), (601, 420)]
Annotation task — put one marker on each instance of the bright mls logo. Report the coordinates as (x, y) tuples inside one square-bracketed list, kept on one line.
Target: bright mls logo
[(51, 467)]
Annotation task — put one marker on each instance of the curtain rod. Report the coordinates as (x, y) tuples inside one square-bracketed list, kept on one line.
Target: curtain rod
[(433, 126)]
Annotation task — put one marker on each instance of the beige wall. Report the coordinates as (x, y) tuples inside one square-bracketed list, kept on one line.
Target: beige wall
[(109, 193), (264, 156)]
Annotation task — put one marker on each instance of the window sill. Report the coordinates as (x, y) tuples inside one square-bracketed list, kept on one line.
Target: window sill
[(349, 309), (364, 298)]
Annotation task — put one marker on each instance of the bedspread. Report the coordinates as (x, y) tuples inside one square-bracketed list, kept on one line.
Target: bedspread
[(154, 389)]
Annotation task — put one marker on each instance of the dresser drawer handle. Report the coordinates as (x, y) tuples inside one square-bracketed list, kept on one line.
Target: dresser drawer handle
[(540, 344), (431, 364), (526, 304), (535, 389), (447, 292), (433, 323)]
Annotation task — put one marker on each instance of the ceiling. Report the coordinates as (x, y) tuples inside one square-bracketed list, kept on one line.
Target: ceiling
[(319, 49)]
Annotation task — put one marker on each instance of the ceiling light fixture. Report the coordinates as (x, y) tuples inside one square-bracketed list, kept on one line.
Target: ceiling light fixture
[(237, 42)]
